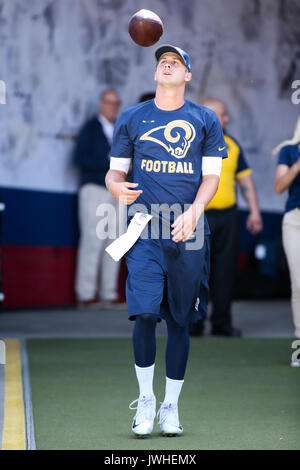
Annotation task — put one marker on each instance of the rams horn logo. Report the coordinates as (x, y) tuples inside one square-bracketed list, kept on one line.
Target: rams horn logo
[(176, 142)]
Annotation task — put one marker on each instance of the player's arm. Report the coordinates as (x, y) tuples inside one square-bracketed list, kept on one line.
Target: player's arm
[(245, 181), (120, 161), (207, 190), (185, 224), (116, 183), (254, 221)]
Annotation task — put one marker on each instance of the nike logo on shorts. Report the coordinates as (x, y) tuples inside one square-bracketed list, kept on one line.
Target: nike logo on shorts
[(220, 149)]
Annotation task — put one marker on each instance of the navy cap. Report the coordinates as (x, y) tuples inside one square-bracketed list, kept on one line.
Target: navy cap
[(168, 48)]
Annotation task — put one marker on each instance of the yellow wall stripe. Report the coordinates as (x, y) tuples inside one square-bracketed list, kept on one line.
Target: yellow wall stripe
[(13, 436)]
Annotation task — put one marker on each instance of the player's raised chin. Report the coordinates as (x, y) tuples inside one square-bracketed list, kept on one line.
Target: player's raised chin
[(173, 79), (171, 71)]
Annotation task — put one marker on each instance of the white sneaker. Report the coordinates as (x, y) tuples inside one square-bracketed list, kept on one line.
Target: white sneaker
[(169, 420), (143, 421)]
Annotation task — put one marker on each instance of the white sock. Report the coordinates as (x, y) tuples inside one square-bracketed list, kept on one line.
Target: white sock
[(145, 379), (173, 389)]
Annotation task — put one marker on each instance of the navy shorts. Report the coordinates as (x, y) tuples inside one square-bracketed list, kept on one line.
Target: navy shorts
[(166, 279)]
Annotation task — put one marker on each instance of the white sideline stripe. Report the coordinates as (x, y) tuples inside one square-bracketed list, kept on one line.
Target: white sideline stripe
[(29, 425), (1, 402), (2, 352)]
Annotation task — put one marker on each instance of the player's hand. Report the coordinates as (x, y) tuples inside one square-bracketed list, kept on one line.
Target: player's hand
[(254, 223), (123, 192), (185, 224)]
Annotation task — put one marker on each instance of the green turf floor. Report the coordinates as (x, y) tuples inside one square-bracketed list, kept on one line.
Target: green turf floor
[(238, 394)]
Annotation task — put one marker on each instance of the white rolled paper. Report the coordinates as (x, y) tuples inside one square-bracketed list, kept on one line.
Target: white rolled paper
[(122, 244)]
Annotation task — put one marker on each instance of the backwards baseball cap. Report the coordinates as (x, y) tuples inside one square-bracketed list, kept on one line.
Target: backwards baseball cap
[(176, 50)]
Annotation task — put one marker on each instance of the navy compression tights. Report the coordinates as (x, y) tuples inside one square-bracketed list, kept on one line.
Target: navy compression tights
[(144, 345)]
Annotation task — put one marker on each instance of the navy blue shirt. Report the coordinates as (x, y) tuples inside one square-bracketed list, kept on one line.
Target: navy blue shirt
[(288, 156), (167, 149), (91, 153)]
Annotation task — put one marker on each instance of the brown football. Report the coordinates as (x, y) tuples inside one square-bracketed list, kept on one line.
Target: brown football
[(145, 28)]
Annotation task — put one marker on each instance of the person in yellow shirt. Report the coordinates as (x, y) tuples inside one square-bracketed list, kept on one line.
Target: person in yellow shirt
[(223, 220)]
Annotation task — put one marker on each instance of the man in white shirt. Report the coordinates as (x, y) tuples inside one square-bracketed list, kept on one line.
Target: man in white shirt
[(97, 273)]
